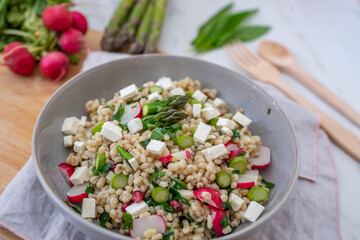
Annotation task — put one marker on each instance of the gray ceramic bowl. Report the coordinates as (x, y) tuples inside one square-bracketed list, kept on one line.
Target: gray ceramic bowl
[(102, 81)]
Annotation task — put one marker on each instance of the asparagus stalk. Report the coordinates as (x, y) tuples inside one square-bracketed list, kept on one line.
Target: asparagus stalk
[(143, 30), (151, 45), (128, 32), (163, 119), (174, 102), (116, 22)]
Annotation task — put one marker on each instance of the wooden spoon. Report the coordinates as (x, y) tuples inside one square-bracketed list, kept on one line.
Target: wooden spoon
[(285, 60)]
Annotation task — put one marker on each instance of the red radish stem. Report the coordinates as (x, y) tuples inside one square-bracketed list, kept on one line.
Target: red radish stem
[(54, 65), (79, 21), (18, 58), (57, 18)]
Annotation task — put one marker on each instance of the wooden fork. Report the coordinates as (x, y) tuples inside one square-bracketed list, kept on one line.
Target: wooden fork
[(265, 72)]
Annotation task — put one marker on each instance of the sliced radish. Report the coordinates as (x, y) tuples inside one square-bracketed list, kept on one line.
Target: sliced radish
[(248, 179), (263, 160), (140, 225), (218, 216), (230, 146), (131, 111), (235, 153), (77, 193), (175, 156), (66, 170), (215, 200)]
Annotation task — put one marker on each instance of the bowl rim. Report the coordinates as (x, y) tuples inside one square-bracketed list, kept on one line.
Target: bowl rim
[(106, 232)]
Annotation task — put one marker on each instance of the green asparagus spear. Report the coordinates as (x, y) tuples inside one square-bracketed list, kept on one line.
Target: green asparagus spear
[(115, 24), (163, 119), (143, 30), (151, 45), (128, 32), (174, 102)]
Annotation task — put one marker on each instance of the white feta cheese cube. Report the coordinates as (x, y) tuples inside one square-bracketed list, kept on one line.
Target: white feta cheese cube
[(70, 125), (188, 194), (226, 131), (196, 110), (215, 152), (207, 105), (135, 125), (235, 201), (242, 119), (202, 132), (219, 103), (111, 131), (156, 147), (109, 175), (129, 92), (79, 147), (199, 95), (224, 122), (127, 166), (253, 211), (88, 208), (209, 113), (165, 83), (136, 209), (177, 91), (133, 163), (78, 177), (154, 96), (83, 121), (68, 141)]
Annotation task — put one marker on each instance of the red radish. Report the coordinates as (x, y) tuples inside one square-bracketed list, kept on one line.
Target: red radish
[(131, 111), (79, 21), (218, 216), (248, 179), (54, 65), (18, 58), (140, 225), (71, 41), (175, 156), (263, 160), (138, 196), (77, 193), (113, 166), (215, 200), (125, 205), (176, 205), (230, 146), (66, 170), (235, 153), (57, 18)]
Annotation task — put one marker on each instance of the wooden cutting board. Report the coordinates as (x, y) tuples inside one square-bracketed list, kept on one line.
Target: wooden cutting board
[(21, 99)]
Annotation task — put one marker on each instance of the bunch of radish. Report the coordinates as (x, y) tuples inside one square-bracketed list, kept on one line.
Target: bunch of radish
[(70, 27)]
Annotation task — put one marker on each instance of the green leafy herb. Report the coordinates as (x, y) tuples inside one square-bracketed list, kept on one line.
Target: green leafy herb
[(157, 134), (104, 218), (96, 172), (74, 58), (229, 189), (235, 135), (119, 113), (198, 224), (105, 168), (155, 176), (123, 127), (140, 89), (181, 219), (112, 107), (268, 184), (249, 33), (169, 233), (145, 143), (128, 220), (179, 184), (190, 218), (193, 101), (89, 189), (166, 205), (177, 195), (76, 209), (224, 221), (124, 154), (131, 101), (97, 127), (236, 172), (226, 205)]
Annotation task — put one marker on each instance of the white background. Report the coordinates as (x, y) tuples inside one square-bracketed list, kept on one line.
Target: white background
[(325, 37)]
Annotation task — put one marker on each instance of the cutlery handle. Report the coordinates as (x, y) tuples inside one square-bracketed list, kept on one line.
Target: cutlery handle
[(324, 93), (339, 134)]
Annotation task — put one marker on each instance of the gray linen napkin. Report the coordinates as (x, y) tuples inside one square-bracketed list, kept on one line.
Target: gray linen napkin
[(311, 212)]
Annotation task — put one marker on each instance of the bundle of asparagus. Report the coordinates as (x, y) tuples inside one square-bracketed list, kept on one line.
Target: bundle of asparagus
[(137, 22)]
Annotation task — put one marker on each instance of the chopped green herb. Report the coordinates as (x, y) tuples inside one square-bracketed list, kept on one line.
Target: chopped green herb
[(124, 154), (224, 221), (89, 189), (131, 101), (214, 121), (177, 195), (226, 205), (229, 189), (104, 218), (97, 128), (193, 101), (269, 111), (145, 143), (189, 93), (235, 135), (117, 116), (169, 233), (155, 176), (128, 220), (181, 219), (140, 89), (190, 218), (268, 184), (179, 184), (112, 107), (198, 224), (157, 134), (76, 209), (106, 168), (123, 127), (236, 172)]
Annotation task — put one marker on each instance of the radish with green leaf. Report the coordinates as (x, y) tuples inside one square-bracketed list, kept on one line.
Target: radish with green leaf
[(18, 58)]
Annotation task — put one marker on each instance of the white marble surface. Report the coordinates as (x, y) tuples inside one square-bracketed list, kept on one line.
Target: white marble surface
[(324, 35)]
